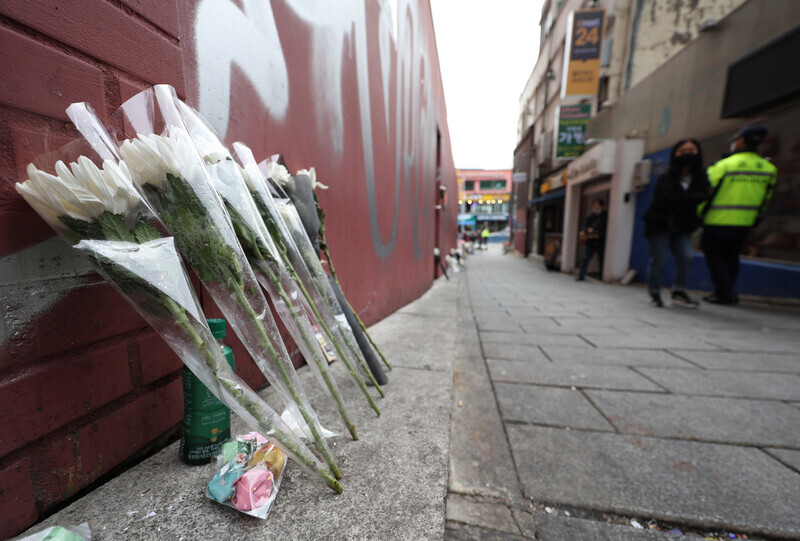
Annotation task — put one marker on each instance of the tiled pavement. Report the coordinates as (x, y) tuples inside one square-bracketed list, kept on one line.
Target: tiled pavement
[(577, 408)]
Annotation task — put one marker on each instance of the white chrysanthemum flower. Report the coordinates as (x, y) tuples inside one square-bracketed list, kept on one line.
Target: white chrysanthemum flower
[(142, 158), (151, 157), (252, 177), (312, 175), (278, 173), (81, 191)]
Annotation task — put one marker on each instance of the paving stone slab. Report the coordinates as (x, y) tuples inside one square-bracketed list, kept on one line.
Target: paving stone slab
[(607, 320), (787, 456), (495, 350), (559, 527), (480, 459), (624, 357), (457, 531), (727, 383), (725, 420), (531, 339), (549, 406), (700, 484), (755, 362), (494, 516), (653, 340), (550, 326), (757, 344), (506, 324), (582, 376)]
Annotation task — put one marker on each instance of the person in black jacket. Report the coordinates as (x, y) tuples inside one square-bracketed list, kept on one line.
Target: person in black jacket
[(671, 219), (593, 235)]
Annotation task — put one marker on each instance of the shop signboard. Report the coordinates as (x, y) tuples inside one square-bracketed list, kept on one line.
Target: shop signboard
[(519, 177), (572, 120), (466, 219), (582, 53), (498, 217)]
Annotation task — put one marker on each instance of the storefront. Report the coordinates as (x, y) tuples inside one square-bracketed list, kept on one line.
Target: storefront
[(547, 225), (605, 171), (770, 261)]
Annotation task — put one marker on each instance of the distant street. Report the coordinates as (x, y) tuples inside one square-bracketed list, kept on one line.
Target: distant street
[(581, 412)]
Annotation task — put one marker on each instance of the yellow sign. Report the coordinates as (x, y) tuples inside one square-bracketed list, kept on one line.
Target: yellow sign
[(582, 54)]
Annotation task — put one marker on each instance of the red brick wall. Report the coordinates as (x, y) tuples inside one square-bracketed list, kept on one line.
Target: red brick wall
[(84, 383)]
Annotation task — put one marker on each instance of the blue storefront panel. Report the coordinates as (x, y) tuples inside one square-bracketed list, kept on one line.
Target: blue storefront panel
[(756, 277)]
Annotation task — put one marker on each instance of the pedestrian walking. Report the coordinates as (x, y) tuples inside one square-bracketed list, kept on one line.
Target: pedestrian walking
[(593, 235), (485, 236), (742, 185), (671, 219)]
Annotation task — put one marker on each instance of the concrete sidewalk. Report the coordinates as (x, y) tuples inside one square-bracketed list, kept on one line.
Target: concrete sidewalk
[(536, 407), (395, 476), (581, 412)]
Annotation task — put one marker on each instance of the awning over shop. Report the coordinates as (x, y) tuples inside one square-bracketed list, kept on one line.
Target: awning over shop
[(548, 197)]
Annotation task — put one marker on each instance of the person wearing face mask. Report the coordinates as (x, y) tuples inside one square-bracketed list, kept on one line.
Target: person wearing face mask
[(742, 186), (671, 219)]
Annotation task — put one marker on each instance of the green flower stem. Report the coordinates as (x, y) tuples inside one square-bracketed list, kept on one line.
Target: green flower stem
[(274, 230), (250, 404), (321, 444), (348, 340), (323, 241), (313, 346), (326, 251), (333, 340), (262, 259), (215, 261)]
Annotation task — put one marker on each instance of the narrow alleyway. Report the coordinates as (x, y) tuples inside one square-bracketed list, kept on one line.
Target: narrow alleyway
[(580, 412)]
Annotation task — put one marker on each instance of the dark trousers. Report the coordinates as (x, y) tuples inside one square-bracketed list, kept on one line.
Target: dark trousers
[(591, 249), (722, 246), (660, 245)]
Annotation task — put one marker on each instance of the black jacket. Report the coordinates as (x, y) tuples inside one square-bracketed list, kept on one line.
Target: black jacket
[(673, 209), (597, 223)]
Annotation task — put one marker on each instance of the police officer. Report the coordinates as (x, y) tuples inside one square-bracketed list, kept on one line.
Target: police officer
[(742, 185)]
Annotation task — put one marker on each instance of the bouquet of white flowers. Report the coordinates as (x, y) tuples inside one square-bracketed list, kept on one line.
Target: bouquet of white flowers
[(97, 210), (295, 263), (231, 182), (170, 175)]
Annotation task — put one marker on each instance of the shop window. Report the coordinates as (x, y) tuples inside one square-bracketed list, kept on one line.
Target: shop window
[(493, 185), (469, 185)]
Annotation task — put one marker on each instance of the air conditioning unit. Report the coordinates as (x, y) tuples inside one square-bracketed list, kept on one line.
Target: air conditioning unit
[(641, 175)]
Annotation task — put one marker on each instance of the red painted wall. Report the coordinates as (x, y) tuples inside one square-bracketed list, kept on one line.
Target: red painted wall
[(353, 90)]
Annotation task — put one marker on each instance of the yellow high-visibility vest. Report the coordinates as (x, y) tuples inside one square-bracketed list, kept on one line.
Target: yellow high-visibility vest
[(747, 182)]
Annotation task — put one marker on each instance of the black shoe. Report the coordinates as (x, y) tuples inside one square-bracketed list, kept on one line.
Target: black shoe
[(715, 298), (655, 300), (580, 279), (680, 298)]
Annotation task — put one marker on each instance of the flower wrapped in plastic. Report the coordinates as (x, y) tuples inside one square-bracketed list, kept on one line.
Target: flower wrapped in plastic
[(170, 175), (301, 189), (97, 210), (314, 278), (351, 314), (317, 275), (262, 253), (295, 263)]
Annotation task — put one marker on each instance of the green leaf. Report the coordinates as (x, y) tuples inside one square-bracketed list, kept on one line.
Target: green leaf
[(144, 232), (113, 227), (81, 229), (197, 236)]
